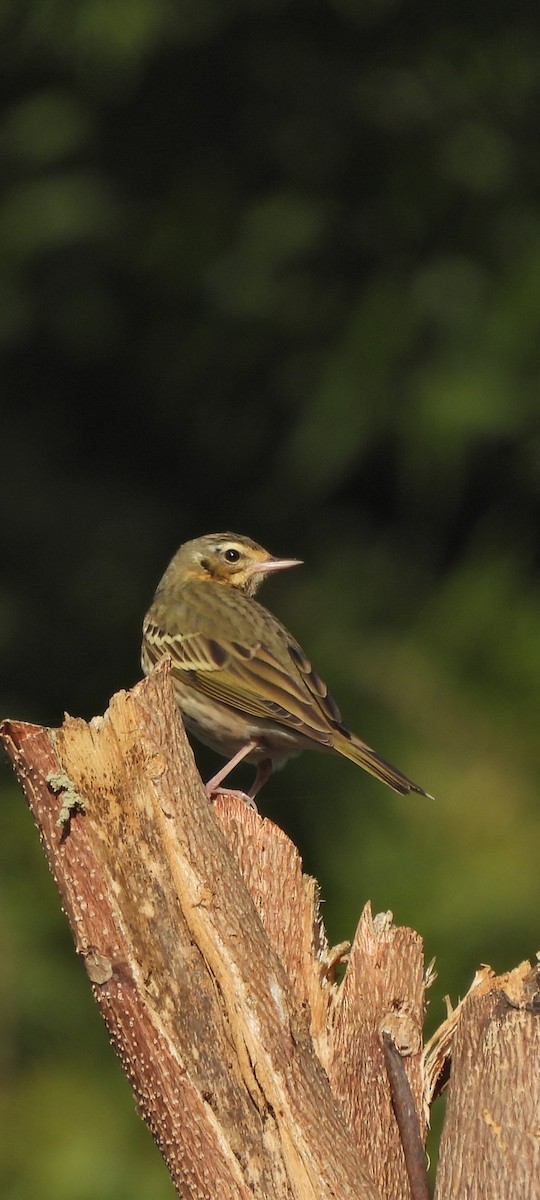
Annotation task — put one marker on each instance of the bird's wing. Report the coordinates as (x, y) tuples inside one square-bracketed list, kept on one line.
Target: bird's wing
[(283, 688)]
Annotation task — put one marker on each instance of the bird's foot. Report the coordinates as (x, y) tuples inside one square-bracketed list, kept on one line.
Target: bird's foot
[(219, 791)]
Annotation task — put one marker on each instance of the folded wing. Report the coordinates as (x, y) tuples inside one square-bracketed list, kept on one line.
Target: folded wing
[(252, 679)]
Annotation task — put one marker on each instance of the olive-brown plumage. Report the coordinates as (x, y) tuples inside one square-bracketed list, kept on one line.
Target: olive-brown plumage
[(243, 685)]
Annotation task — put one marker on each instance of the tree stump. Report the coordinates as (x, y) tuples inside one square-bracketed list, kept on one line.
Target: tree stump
[(259, 1075)]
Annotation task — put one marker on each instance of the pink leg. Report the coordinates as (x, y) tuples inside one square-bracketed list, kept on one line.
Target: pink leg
[(214, 782), (264, 771)]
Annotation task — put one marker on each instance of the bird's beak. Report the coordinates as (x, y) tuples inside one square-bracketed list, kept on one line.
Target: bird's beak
[(275, 564)]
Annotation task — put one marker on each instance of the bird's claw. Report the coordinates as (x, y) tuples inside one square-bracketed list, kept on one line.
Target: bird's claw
[(219, 791)]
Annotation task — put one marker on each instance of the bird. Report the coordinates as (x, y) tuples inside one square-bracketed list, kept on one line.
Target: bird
[(242, 683)]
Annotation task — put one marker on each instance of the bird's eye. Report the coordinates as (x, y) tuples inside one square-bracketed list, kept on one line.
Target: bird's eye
[(232, 555)]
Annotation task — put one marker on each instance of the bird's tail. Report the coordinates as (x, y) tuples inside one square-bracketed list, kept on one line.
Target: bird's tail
[(367, 758)]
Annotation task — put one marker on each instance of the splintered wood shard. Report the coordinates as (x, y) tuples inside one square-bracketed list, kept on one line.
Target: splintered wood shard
[(490, 1145), (383, 992)]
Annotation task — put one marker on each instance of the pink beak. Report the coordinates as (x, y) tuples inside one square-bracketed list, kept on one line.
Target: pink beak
[(276, 564)]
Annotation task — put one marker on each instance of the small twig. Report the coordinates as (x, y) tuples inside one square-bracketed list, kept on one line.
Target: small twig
[(407, 1119)]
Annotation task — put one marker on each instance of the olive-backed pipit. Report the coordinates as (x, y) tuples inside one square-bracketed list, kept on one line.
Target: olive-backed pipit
[(243, 685)]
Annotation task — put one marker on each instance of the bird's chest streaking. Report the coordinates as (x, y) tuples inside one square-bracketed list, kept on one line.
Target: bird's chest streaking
[(226, 730)]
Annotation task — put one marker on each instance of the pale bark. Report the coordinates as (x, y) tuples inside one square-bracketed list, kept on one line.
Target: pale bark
[(198, 1004), (260, 1077)]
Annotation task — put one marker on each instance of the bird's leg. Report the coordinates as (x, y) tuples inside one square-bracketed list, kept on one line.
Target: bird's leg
[(212, 787), (264, 771)]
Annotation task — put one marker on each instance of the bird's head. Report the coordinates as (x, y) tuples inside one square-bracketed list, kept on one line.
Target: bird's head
[(228, 558)]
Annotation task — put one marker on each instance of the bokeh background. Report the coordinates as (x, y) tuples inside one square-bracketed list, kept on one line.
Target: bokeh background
[(273, 267)]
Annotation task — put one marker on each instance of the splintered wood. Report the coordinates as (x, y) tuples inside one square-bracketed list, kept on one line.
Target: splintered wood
[(490, 1145), (259, 1075)]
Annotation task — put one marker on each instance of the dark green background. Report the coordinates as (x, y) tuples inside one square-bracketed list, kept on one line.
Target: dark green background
[(273, 267)]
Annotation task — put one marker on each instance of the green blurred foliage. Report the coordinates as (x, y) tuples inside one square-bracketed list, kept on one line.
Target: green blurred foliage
[(273, 267)]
